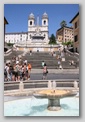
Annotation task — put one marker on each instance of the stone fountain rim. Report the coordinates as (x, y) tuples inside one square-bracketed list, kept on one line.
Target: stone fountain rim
[(54, 96)]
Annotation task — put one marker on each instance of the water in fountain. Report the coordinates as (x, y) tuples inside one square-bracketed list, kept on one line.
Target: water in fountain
[(70, 107)]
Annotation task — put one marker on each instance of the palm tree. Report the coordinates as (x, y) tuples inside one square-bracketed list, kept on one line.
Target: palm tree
[(63, 23)]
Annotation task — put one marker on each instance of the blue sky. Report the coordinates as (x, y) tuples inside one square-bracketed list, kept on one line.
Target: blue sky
[(17, 15)]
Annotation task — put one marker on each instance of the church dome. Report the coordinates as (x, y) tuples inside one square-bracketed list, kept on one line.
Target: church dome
[(45, 15), (31, 16)]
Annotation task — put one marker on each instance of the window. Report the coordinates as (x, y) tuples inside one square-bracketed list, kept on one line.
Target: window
[(30, 36), (44, 22), (76, 38), (30, 22), (75, 24)]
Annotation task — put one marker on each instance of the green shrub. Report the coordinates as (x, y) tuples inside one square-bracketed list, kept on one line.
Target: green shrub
[(9, 44)]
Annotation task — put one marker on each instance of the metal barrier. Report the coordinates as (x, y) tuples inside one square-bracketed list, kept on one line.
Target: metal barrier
[(33, 85)]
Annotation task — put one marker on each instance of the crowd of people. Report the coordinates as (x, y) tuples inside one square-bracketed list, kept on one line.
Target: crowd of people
[(17, 70)]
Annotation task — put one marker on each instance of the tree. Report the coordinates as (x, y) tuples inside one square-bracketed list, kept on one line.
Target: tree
[(63, 23), (52, 39), (69, 43)]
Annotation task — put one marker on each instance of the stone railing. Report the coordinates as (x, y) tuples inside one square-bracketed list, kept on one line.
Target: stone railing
[(14, 87), (8, 52), (36, 45)]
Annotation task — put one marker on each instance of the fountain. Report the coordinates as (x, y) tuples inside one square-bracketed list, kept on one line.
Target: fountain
[(54, 95), (49, 101)]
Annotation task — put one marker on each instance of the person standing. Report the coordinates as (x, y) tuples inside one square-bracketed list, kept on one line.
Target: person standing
[(45, 71), (29, 69), (30, 52)]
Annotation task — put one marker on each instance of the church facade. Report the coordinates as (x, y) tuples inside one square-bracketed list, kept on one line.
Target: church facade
[(36, 35)]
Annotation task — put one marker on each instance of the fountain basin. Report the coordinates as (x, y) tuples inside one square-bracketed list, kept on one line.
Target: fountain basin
[(54, 97)]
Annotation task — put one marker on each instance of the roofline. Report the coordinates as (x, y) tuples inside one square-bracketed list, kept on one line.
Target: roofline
[(22, 32), (6, 21), (16, 33), (64, 27), (74, 17)]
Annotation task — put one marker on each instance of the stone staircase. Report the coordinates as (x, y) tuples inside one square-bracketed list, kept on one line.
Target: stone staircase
[(52, 63), (36, 60), (14, 53), (37, 57)]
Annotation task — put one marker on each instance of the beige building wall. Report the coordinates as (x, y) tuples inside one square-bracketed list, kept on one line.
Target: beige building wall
[(59, 38), (75, 22), (68, 34), (46, 49), (76, 33), (55, 49), (65, 34)]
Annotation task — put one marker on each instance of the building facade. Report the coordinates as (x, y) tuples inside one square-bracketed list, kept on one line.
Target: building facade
[(59, 38), (5, 22), (65, 34), (16, 38), (75, 22), (36, 34)]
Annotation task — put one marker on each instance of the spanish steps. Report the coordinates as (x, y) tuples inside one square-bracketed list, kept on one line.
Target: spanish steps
[(37, 57)]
